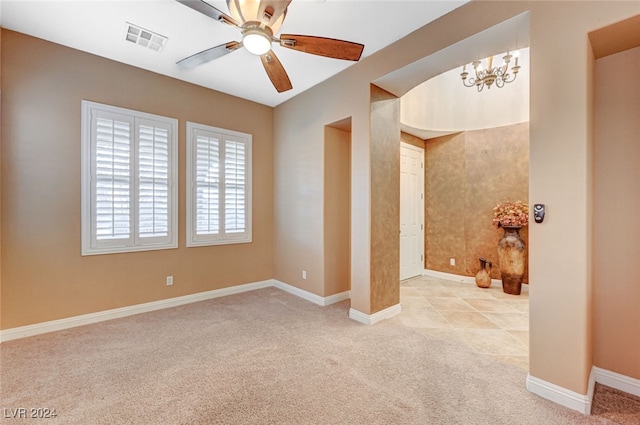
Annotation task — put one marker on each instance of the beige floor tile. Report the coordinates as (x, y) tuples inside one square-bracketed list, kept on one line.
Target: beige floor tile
[(473, 292), (494, 342), (413, 303), (410, 282), (410, 293), (522, 336), (510, 321), (452, 284), (521, 306), (435, 291), (467, 320), (423, 319), (432, 279), (449, 304), (500, 294), (490, 305), (488, 320)]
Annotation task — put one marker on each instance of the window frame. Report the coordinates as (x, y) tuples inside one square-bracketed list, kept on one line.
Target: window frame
[(90, 244), (223, 238)]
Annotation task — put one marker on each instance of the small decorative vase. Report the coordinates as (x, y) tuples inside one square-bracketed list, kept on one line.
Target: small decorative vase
[(483, 277), (512, 257)]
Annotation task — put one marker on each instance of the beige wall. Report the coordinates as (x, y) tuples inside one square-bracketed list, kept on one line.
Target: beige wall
[(560, 168), (616, 203), (466, 175), (44, 277)]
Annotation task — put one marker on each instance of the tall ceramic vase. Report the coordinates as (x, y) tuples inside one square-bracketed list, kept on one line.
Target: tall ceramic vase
[(512, 258)]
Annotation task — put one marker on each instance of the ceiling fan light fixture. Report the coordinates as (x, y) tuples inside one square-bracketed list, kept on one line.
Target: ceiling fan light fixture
[(256, 41)]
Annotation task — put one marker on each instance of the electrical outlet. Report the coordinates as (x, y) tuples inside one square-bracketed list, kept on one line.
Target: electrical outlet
[(452, 261), (169, 280), (304, 274)]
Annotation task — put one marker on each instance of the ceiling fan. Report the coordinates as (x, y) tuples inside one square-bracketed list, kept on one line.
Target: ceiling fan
[(259, 21)]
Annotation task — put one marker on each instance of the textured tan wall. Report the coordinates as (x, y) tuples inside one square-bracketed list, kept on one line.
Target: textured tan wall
[(445, 191), (337, 210), (497, 167), (466, 175), (44, 277), (385, 199), (616, 202)]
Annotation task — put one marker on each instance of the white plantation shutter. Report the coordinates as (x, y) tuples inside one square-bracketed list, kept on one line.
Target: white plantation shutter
[(153, 180), (207, 185), (235, 186), (218, 182), (129, 164), (112, 178)]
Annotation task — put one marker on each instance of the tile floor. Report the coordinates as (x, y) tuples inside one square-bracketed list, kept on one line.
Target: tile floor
[(488, 320)]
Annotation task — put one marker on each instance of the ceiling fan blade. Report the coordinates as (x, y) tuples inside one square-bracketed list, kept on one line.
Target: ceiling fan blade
[(209, 54), (322, 46), (276, 72), (210, 11), (272, 8)]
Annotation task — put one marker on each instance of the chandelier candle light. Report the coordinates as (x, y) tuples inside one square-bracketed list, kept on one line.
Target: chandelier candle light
[(490, 75)]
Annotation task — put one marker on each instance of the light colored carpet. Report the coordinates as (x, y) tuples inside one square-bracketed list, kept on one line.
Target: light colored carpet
[(263, 357), (620, 407)]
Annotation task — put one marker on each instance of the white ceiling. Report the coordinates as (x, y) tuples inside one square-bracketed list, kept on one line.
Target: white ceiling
[(99, 27)]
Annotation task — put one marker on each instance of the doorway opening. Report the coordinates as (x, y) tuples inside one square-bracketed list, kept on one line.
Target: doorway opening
[(467, 171)]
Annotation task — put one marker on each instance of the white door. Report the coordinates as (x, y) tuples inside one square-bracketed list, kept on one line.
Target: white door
[(411, 211)]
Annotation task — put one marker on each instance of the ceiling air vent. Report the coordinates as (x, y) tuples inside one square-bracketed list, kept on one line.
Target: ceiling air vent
[(145, 38)]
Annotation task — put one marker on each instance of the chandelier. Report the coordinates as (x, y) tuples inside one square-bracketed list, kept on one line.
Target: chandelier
[(491, 75)]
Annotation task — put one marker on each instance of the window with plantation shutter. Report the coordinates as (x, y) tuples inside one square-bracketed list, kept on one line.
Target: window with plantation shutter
[(218, 186), (129, 195)]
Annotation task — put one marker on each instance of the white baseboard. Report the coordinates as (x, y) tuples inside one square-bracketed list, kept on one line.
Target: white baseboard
[(619, 382), (87, 319), (316, 299), (560, 395), (497, 283), (336, 298), (372, 319)]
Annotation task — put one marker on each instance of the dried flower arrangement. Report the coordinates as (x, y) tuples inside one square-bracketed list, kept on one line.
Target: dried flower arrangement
[(511, 214)]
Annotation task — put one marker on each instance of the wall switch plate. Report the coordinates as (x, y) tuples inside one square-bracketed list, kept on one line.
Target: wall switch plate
[(452, 261), (304, 274), (169, 280)]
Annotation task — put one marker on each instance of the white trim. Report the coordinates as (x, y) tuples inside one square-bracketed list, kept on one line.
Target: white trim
[(619, 382), (464, 279), (101, 316), (560, 395), (316, 299), (222, 136), (90, 245), (372, 319), (336, 298)]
